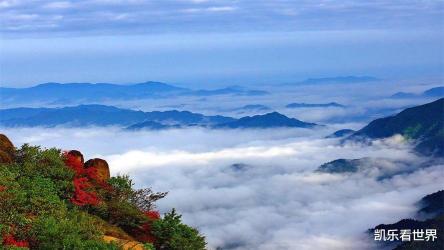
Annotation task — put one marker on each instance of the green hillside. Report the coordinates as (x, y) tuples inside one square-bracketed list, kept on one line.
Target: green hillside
[(51, 199), (424, 123)]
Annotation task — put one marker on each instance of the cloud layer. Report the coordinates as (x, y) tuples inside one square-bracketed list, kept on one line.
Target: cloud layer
[(217, 42), (255, 189), (111, 16)]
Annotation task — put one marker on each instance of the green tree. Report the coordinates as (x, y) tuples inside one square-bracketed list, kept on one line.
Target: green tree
[(172, 234)]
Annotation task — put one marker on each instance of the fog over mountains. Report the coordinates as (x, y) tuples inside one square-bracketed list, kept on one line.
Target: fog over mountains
[(268, 125), (315, 103), (100, 115), (274, 173), (291, 162)]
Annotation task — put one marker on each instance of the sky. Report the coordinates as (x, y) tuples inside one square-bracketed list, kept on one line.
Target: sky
[(214, 43), (274, 200)]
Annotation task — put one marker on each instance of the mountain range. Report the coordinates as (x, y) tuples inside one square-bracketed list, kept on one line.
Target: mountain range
[(341, 79), (101, 115), (58, 93), (424, 123), (430, 93), (251, 107), (315, 105), (270, 120)]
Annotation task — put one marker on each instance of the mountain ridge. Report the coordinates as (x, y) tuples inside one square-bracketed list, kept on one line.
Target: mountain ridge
[(434, 92), (102, 115), (341, 79), (314, 105), (269, 120), (424, 123), (53, 92)]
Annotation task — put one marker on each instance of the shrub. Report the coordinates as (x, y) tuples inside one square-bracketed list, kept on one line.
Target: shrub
[(76, 230), (81, 195), (149, 246), (10, 240), (48, 200), (145, 232), (41, 196), (12, 198), (143, 199), (124, 214), (122, 188), (33, 161), (172, 234)]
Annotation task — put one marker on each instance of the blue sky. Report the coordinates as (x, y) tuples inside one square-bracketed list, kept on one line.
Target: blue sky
[(215, 43)]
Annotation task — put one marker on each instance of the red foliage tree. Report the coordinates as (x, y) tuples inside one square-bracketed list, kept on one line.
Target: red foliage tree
[(74, 163), (9, 240), (82, 197), (153, 215), (145, 233), (81, 181)]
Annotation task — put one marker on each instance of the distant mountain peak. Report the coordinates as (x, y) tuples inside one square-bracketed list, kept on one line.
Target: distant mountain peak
[(52, 92), (401, 95), (341, 133), (434, 92), (48, 84), (424, 123), (255, 106), (341, 79), (102, 115), (268, 120), (314, 105), (153, 83), (273, 114)]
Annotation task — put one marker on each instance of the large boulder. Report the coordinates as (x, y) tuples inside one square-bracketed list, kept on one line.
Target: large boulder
[(7, 150), (101, 169), (77, 155)]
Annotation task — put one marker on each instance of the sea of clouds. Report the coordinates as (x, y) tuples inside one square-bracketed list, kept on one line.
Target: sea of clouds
[(257, 189)]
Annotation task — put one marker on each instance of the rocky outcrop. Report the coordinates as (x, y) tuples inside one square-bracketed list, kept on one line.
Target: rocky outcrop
[(101, 167), (7, 150), (77, 155)]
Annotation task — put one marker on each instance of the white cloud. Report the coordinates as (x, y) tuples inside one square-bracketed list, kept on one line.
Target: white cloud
[(221, 8), (9, 3), (25, 17), (273, 15), (273, 200), (198, 1), (209, 9), (59, 5)]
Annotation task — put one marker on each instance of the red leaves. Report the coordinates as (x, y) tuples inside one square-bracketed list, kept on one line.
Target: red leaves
[(91, 173), (153, 215), (2, 188), (82, 197), (87, 181), (9, 240), (145, 234), (74, 163), (82, 181)]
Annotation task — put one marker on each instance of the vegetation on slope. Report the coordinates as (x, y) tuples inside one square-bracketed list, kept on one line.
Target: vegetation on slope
[(50, 199), (424, 123)]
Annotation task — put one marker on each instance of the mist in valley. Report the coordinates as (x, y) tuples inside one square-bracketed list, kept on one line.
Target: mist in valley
[(259, 189)]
